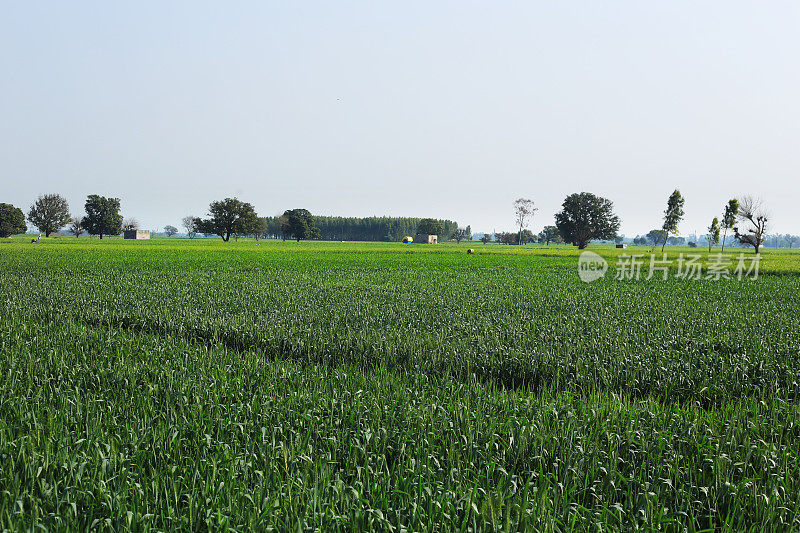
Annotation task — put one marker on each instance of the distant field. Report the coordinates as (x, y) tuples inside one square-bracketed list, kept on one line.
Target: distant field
[(195, 384)]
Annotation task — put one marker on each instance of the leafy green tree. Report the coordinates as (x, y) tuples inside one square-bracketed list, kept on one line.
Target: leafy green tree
[(673, 215), (713, 233), (299, 224), (584, 217), (170, 230), (655, 236), (49, 213), (228, 217), (12, 220), (261, 228), (487, 237), (102, 216), (550, 234), (429, 226), (729, 218)]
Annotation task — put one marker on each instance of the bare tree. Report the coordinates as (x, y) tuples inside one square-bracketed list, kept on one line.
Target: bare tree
[(75, 227), (170, 230), (460, 234), (190, 223), (752, 212), (130, 224), (523, 212)]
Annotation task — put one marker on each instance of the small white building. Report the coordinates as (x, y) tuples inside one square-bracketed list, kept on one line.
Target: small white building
[(427, 239), (138, 234)]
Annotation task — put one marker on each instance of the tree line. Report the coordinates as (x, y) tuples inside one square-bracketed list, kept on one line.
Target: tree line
[(584, 217), (226, 218)]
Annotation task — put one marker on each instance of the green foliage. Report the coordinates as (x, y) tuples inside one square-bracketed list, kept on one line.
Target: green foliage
[(550, 234), (299, 224), (12, 220), (102, 216), (585, 217), (655, 236), (227, 218), (49, 213), (729, 218), (327, 386), (673, 214), (429, 226), (713, 233)]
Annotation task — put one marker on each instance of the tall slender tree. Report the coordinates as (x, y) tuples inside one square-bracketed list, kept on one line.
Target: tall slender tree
[(523, 212), (729, 218), (673, 215), (713, 233)]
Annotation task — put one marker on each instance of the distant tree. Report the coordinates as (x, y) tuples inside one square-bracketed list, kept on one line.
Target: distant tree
[(487, 237), (284, 227), (12, 220), (468, 235), (75, 226), (713, 233), (228, 217), (299, 224), (676, 241), (527, 237), (506, 237), (523, 212), (459, 235), (429, 226), (170, 230), (190, 224), (692, 244), (550, 234), (584, 217), (49, 213), (655, 236), (618, 239), (729, 218), (791, 240), (102, 216), (261, 228), (673, 215), (752, 213)]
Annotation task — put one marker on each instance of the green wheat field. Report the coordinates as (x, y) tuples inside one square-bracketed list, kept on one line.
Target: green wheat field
[(179, 384)]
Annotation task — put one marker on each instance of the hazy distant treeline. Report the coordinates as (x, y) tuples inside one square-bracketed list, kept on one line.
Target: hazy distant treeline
[(361, 229)]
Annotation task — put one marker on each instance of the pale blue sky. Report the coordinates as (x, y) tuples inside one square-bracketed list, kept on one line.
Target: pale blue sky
[(445, 109)]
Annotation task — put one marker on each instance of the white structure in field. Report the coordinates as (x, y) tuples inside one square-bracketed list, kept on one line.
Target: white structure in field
[(139, 234)]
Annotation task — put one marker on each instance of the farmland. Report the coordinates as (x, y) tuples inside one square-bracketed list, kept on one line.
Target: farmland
[(177, 384)]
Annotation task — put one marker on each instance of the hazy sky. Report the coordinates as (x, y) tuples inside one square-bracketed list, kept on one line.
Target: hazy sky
[(430, 108)]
